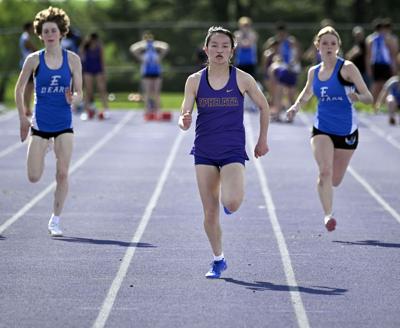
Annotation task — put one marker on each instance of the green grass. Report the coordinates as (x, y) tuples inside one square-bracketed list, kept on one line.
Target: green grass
[(169, 100), (173, 101)]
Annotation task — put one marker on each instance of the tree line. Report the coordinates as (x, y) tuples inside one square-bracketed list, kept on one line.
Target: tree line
[(182, 24)]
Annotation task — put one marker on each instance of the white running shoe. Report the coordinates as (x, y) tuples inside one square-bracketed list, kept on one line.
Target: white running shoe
[(54, 228)]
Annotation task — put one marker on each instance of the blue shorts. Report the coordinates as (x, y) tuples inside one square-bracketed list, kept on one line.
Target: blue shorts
[(218, 162), (285, 76)]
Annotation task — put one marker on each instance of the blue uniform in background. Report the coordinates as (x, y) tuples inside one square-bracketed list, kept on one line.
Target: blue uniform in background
[(335, 113), (151, 66), (220, 131), (52, 112)]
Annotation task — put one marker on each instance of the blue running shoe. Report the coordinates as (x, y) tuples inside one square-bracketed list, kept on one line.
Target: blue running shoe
[(216, 268), (227, 212)]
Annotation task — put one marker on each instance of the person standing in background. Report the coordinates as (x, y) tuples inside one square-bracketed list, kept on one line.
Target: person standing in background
[(382, 48), (26, 47), (149, 53), (92, 57), (357, 53), (246, 57)]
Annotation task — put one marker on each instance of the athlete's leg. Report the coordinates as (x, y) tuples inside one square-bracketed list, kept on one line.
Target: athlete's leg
[(391, 104), (208, 182), (63, 146), (232, 186), (323, 151), (35, 160), (376, 89), (146, 84), (88, 80), (102, 88), (156, 93), (341, 160)]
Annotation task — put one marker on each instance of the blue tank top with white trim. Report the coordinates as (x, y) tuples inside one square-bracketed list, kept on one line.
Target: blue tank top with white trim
[(380, 53), (151, 65), (335, 112), (220, 132), (52, 112)]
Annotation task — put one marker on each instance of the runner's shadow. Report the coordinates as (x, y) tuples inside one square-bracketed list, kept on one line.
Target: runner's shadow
[(368, 243), (261, 286), (103, 242), (2, 238)]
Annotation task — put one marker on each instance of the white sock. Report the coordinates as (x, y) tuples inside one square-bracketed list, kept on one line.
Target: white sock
[(54, 218), (219, 257)]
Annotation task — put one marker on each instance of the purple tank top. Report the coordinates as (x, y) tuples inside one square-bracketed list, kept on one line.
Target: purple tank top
[(220, 131)]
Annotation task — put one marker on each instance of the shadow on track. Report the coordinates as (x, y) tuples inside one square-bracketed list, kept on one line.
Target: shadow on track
[(103, 242), (368, 243), (264, 286), (2, 238)]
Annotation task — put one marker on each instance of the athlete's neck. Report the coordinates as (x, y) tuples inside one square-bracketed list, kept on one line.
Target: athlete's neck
[(218, 70), (330, 63), (53, 51)]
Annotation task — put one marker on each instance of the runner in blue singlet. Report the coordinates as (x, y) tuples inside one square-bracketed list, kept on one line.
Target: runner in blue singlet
[(335, 136), (26, 47), (57, 72), (219, 146)]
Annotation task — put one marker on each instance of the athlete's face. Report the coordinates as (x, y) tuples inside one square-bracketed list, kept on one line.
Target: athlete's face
[(219, 49), (328, 45), (51, 34)]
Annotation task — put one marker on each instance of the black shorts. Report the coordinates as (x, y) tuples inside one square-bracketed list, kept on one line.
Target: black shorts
[(48, 135), (340, 142), (381, 72)]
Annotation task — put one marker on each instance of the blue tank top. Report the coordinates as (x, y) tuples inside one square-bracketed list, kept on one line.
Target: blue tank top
[(286, 51), (335, 112), (246, 55), (220, 131), (151, 61), (52, 113), (379, 51)]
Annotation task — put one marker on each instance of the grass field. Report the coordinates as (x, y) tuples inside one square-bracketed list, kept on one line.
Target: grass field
[(169, 101)]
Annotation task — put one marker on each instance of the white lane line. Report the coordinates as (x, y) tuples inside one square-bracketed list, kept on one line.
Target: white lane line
[(297, 303), (374, 194), (73, 168), (126, 261), (8, 115), (11, 148), (379, 132), (365, 184)]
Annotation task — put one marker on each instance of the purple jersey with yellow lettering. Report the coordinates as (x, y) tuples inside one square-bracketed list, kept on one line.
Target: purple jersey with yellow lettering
[(220, 131)]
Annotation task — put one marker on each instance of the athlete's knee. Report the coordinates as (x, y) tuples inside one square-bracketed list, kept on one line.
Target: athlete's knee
[(336, 181), (62, 175), (325, 174), (232, 205), (34, 177)]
